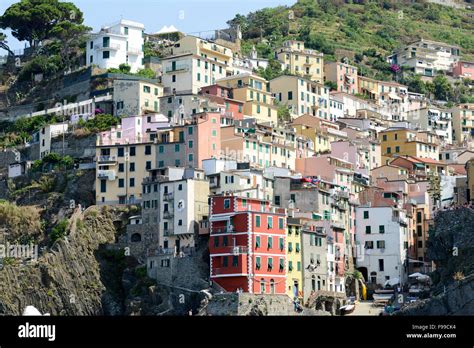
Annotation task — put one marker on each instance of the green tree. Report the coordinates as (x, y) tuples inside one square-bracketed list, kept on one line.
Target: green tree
[(442, 88), (3, 43), (35, 20)]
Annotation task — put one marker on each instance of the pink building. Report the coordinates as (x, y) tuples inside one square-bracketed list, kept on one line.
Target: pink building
[(327, 167), (344, 75), (133, 130), (464, 69), (202, 138), (224, 96)]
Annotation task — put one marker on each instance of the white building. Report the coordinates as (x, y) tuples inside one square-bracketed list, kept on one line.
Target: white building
[(49, 132), (336, 107), (426, 57), (119, 43), (381, 243), (433, 119), (195, 63), (175, 199)]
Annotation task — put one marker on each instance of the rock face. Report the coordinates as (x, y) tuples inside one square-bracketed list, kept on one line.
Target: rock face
[(246, 304), (458, 300), (450, 247), (65, 281)]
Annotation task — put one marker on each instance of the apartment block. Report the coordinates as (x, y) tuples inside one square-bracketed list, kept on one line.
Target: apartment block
[(136, 98), (301, 61), (301, 95), (247, 245), (344, 75)]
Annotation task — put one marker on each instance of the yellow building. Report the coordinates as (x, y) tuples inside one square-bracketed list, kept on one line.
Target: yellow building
[(463, 124), (321, 132), (136, 98), (300, 61), (254, 91), (301, 95), (402, 141), (294, 279)]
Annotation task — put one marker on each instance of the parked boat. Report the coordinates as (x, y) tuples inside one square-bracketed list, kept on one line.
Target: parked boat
[(347, 309)]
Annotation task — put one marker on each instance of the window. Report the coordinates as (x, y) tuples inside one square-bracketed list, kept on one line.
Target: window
[(366, 214), (384, 137), (225, 261), (176, 148), (282, 264), (132, 166), (290, 266), (132, 151), (270, 263), (290, 247), (389, 150), (419, 231), (147, 89), (121, 167), (121, 183), (148, 165), (277, 200), (382, 229), (161, 149), (290, 95), (369, 245), (132, 182), (216, 242), (105, 55), (270, 222), (297, 249), (380, 244), (226, 203), (420, 244), (397, 148), (180, 187), (280, 223), (125, 30), (103, 186), (381, 265), (270, 243), (148, 150), (190, 157), (368, 230), (257, 242), (281, 243), (298, 266), (257, 221), (235, 261), (257, 262)]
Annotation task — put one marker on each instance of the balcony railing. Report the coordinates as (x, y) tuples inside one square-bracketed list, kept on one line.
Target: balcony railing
[(177, 67), (168, 215), (106, 174), (134, 50), (110, 46), (107, 159), (167, 197), (167, 232)]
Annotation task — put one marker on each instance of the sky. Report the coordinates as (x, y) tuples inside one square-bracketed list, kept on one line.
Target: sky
[(188, 16)]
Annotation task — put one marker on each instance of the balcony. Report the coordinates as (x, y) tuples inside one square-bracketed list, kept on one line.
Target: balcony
[(203, 227), (168, 232), (107, 159), (177, 68), (111, 47), (168, 215), (106, 174), (337, 224), (168, 197), (134, 51)]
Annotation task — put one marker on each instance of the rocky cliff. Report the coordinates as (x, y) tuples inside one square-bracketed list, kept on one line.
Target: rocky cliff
[(67, 279)]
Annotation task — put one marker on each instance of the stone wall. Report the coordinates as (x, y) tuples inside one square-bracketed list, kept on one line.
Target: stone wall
[(81, 148)]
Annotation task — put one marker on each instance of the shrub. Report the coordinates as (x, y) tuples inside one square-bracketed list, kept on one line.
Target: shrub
[(59, 231)]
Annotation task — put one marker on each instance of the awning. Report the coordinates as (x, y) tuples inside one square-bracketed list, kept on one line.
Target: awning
[(392, 282), (394, 96), (220, 218)]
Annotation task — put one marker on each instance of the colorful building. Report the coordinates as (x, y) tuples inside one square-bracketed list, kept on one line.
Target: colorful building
[(344, 75), (301, 61), (247, 245), (254, 92), (464, 69)]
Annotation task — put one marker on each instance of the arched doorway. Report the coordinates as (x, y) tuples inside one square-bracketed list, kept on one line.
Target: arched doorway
[(373, 277)]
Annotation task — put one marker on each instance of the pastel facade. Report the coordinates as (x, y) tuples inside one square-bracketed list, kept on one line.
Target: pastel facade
[(136, 98), (301, 61), (344, 75)]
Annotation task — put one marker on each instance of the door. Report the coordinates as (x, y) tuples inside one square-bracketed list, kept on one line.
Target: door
[(178, 245)]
